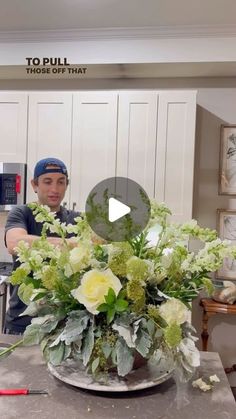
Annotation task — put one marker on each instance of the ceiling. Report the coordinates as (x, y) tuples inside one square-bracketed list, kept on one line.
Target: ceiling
[(31, 20), (34, 15)]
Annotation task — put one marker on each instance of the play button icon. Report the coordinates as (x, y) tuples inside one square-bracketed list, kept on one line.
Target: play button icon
[(117, 209)]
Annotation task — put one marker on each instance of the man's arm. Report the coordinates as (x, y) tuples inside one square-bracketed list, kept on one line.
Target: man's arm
[(15, 235)]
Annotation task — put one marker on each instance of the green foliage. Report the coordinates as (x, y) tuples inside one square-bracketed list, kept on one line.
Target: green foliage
[(112, 305), (139, 244)]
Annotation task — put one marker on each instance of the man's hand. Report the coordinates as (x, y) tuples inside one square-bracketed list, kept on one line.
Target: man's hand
[(97, 239), (72, 242)]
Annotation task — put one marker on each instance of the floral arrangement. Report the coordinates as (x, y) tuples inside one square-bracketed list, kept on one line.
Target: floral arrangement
[(103, 303)]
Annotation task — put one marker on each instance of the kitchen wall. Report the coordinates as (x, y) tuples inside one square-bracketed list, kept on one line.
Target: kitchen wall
[(216, 101)]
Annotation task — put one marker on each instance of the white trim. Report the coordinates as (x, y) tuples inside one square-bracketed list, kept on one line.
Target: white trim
[(183, 31)]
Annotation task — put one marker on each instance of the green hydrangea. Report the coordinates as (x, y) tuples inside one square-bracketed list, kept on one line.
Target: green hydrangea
[(173, 335), (137, 268), (50, 277), (136, 294), (98, 354), (153, 312), (118, 255)]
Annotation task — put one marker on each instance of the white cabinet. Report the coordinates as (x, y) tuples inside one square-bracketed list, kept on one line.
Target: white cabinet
[(13, 127), (175, 152), (93, 143), (136, 142), (49, 131), (156, 136), (147, 136)]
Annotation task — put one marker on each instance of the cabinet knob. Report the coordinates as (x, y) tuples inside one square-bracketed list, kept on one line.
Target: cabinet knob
[(74, 206)]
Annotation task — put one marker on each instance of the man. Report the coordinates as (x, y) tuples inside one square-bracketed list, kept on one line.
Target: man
[(50, 183)]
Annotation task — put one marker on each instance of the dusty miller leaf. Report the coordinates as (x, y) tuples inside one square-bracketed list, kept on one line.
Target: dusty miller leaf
[(95, 365), (74, 328), (143, 342), (125, 332), (33, 334), (88, 344), (56, 354), (31, 310), (125, 358), (106, 349), (47, 323), (67, 351), (151, 327)]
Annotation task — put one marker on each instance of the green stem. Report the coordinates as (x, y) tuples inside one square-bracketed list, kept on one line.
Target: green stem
[(5, 351), (142, 244)]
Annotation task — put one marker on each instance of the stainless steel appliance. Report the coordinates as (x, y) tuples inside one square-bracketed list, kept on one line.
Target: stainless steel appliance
[(5, 271), (12, 185)]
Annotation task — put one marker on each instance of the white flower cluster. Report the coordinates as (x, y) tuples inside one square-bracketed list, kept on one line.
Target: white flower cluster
[(203, 385)]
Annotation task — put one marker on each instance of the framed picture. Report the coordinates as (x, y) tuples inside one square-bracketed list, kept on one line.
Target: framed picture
[(227, 231), (227, 172)]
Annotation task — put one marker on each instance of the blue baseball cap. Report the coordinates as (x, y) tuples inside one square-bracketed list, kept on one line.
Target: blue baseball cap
[(42, 168)]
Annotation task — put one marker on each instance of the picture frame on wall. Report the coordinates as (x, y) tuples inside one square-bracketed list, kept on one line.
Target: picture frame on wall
[(226, 224), (227, 170)]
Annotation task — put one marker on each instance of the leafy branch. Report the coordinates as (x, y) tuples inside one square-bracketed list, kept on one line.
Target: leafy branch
[(113, 305)]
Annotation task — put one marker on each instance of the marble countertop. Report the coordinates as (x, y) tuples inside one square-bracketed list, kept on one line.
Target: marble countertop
[(26, 368)]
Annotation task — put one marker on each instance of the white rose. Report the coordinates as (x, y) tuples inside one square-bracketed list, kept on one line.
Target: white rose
[(79, 259), (94, 287), (174, 311)]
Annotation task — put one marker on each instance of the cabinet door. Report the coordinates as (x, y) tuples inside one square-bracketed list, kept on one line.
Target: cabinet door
[(175, 152), (137, 138), (50, 119), (13, 127), (93, 144)]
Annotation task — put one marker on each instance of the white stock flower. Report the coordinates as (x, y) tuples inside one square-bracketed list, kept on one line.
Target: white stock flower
[(94, 287), (72, 229), (57, 227), (202, 385), (35, 259), (214, 378), (174, 311), (166, 258)]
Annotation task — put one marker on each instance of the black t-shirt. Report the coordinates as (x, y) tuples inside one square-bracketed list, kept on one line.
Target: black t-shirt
[(22, 217)]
